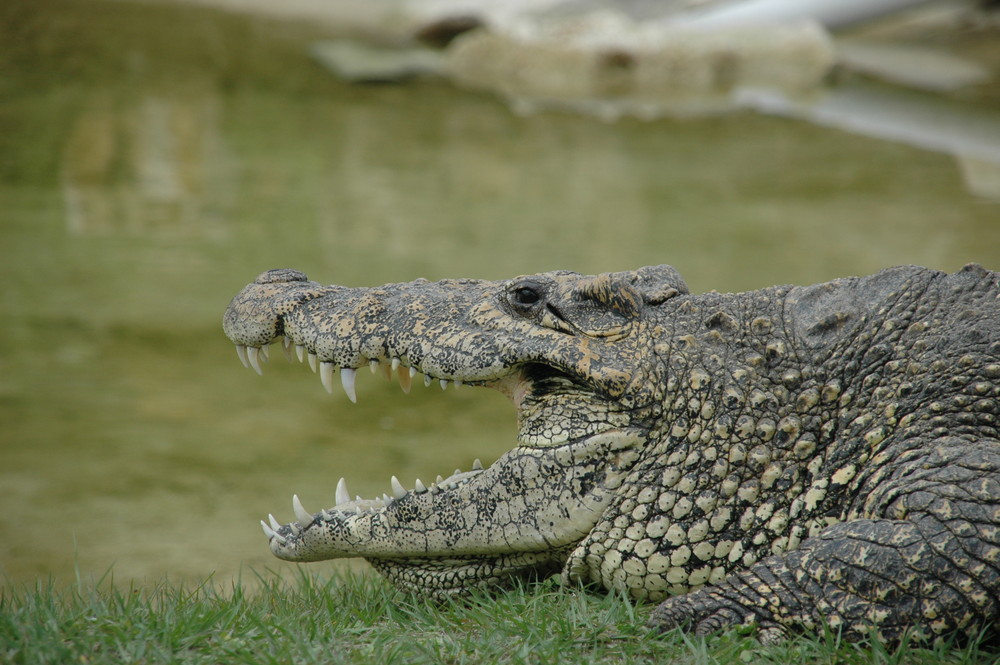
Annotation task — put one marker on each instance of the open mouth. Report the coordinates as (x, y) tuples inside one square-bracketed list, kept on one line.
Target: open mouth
[(347, 507), (535, 503), (427, 502)]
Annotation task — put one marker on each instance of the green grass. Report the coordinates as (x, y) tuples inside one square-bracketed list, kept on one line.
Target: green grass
[(360, 619)]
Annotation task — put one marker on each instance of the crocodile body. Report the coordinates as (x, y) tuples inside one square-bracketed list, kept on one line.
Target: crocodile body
[(787, 458)]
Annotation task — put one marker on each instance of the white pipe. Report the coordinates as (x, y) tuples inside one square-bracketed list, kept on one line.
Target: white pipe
[(925, 121), (832, 14)]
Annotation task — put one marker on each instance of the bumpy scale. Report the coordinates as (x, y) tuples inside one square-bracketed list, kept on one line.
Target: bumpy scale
[(786, 458)]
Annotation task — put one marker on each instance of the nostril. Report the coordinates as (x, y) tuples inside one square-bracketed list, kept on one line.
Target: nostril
[(281, 275)]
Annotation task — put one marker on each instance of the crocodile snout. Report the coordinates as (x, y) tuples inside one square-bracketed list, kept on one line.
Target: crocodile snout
[(255, 316)]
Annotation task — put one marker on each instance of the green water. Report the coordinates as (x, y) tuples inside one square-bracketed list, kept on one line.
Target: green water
[(154, 160)]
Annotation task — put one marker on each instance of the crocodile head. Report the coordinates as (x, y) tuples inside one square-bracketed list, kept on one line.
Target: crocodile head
[(574, 354)]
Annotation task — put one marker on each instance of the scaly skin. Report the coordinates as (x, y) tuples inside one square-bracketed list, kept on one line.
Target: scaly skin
[(785, 458)]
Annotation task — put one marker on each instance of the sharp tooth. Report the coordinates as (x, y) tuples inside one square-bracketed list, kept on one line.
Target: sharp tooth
[(444, 383), (271, 533), (386, 499), (398, 490), (418, 487), (427, 380), (373, 365), (342, 495), (241, 351), (386, 371), (395, 364), (457, 471), (404, 379), (347, 380), (312, 361), (439, 480), (265, 352), (286, 345), (295, 528), (325, 514), (477, 465), (274, 523), (326, 375), (253, 355), (300, 352), (413, 372), (300, 513)]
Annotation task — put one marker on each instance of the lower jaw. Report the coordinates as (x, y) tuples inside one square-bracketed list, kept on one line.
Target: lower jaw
[(442, 577)]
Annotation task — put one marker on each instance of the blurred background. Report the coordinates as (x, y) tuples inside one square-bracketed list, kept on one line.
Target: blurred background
[(156, 156)]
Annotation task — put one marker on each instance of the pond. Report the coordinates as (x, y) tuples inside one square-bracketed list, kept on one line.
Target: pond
[(155, 159)]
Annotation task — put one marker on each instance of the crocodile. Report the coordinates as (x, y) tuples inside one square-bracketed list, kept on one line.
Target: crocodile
[(786, 459)]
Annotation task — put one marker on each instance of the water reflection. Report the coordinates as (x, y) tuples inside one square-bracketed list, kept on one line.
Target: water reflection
[(133, 208), (483, 180), (156, 166)]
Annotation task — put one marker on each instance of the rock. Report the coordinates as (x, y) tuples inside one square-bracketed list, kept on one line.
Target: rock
[(360, 62), (605, 62)]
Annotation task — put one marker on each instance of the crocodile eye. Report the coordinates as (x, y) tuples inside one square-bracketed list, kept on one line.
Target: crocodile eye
[(525, 295)]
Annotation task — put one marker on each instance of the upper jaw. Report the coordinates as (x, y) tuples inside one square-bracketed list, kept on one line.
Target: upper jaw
[(348, 328), (449, 331)]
